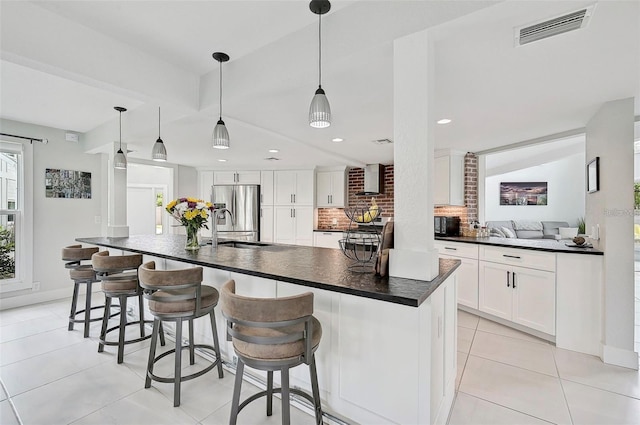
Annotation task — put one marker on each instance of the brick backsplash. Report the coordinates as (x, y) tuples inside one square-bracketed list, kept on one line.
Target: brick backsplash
[(467, 214), (356, 184)]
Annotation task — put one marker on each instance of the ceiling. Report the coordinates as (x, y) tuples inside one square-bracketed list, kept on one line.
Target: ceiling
[(66, 64)]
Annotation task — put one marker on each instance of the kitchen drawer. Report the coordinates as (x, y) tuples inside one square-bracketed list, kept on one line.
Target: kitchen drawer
[(457, 249), (519, 257)]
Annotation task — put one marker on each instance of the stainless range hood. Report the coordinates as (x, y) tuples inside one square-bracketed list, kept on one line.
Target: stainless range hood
[(373, 180)]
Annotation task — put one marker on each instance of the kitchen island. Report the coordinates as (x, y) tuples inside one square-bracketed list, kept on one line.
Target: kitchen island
[(388, 351)]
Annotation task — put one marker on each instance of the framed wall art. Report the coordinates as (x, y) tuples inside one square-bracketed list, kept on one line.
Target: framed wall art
[(68, 184), (593, 175), (523, 193)]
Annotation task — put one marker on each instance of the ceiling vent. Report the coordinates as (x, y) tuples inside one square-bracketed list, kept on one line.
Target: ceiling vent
[(382, 141), (272, 158), (549, 28)]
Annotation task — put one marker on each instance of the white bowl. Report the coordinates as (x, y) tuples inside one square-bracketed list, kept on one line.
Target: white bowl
[(568, 232)]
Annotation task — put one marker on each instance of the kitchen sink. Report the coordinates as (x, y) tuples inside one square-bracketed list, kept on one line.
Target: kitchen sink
[(244, 244)]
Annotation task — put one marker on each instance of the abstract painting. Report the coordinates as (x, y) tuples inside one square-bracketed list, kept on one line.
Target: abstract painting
[(523, 193), (67, 184)]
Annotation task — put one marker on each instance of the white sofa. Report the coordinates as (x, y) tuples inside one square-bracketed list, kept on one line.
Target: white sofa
[(526, 229)]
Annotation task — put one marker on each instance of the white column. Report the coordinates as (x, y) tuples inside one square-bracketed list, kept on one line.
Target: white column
[(610, 137), (413, 79), (117, 218)]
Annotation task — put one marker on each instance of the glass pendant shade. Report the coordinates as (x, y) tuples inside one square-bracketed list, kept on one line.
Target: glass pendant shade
[(120, 161), (220, 136), (320, 111), (159, 152)]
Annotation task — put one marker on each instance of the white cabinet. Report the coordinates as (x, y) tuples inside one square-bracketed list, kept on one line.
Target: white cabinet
[(525, 296), (293, 225), (448, 178), (236, 177), (266, 223), (467, 272), (327, 239), (266, 187), (294, 187), (331, 189)]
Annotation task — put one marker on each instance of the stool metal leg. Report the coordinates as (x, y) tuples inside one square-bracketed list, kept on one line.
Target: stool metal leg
[(178, 364), (269, 393), (216, 344), (284, 378), (74, 304), (192, 355), (141, 311), (105, 322), (87, 309), (152, 351), (237, 386), (315, 390), (123, 327)]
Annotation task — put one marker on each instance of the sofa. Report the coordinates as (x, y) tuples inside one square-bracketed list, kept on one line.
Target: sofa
[(526, 229)]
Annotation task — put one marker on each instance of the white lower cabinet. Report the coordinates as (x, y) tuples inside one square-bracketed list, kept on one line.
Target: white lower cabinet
[(467, 272), (522, 295), (327, 239), (266, 224)]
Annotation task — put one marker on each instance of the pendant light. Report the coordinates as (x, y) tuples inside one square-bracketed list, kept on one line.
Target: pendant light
[(320, 111), (120, 160), (159, 152), (220, 136)]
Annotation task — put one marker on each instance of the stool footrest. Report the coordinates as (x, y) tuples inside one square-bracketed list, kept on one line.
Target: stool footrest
[(129, 341), (187, 377)]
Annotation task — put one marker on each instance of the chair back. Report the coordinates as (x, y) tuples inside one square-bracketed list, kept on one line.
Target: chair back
[(286, 321), (171, 286), (118, 273), (75, 254)]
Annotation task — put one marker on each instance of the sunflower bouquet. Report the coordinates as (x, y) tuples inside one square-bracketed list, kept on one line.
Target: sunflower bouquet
[(193, 214)]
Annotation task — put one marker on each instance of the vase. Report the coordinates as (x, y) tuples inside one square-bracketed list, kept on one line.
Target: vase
[(192, 239)]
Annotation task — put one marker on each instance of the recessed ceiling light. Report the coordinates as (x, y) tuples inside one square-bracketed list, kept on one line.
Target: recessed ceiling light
[(222, 160), (337, 140), (444, 121), (274, 150)]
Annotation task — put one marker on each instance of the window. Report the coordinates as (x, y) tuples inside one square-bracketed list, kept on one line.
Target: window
[(15, 230)]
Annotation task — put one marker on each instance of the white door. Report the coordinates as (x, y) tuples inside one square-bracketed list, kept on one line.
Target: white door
[(495, 295), (141, 210), (284, 231), (224, 177), (323, 189), (305, 188), (467, 281), (266, 187), (303, 225), (534, 303), (248, 177), (284, 184), (338, 189)]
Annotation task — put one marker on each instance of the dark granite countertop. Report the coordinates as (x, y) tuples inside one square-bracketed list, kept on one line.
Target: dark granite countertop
[(550, 245), (322, 268)]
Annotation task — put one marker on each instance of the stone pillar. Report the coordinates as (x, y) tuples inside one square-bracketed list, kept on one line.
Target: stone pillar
[(117, 212), (413, 255)]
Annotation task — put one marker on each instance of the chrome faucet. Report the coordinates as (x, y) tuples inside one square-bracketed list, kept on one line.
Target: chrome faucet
[(219, 213)]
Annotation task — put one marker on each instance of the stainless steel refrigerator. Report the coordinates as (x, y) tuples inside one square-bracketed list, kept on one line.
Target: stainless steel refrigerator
[(243, 202)]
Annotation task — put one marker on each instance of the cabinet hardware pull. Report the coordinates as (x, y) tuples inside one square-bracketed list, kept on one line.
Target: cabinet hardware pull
[(294, 213), (291, 198), (513, 279), (294, 198), (328, 199), (291, 213), (508, 277), (260, 212), (511, 256), (452, 249)]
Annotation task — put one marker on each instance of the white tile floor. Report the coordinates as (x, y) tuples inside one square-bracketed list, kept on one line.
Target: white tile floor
[(52, 376)]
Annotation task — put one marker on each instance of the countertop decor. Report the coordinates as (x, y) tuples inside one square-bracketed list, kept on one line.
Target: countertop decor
[(193, 214)]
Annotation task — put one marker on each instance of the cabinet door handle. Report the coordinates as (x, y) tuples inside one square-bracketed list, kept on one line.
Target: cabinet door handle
[(294, 198), (326, 233), (328, 199), (511, 256), (508, 278), (291, 213), (260, 212), (513, 279), (451, 249), (331, 196), (294, 213), (291, 198)]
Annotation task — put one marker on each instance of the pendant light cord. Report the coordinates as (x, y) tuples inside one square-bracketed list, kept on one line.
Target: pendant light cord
[(158, 122), (221, 90), (320, 50), (120, 130)]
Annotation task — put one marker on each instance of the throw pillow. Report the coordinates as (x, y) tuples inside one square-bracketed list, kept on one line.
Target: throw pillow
[(508, 233), (497, 232)]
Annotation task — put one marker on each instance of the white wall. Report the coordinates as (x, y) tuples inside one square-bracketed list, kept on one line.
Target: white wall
[(56, 222), (565, 192), (610, 137)]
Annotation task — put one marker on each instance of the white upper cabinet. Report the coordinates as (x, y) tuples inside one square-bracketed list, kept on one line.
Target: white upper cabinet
[(294, 187), (331, 189), (236, 177), (449, 178)]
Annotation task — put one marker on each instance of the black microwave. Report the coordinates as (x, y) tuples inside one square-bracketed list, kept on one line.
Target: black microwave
[(446, 226)]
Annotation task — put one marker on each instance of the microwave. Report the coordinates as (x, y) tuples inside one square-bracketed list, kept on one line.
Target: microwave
[(446, 226)]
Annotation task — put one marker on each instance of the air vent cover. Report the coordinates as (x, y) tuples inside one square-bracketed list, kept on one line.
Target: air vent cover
[(382, 141), (549, 28)]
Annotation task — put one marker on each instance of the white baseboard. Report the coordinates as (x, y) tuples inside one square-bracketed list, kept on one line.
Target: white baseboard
[(37, 297), (620, 357)]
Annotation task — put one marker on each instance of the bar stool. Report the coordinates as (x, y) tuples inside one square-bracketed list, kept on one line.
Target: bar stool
[(272, 334), (119, 277), (81, 274), (178, 295)]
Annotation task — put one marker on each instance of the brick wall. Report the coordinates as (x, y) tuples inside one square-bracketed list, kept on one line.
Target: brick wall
[(467, 214), (355, 185)]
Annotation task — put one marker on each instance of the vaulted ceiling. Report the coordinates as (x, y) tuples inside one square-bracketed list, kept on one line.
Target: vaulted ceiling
[(66, 64)]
